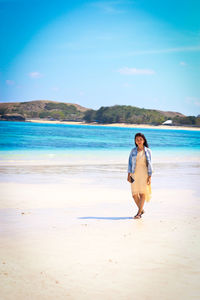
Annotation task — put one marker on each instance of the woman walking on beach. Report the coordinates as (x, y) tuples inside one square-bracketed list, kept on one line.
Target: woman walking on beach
[(139, 173)]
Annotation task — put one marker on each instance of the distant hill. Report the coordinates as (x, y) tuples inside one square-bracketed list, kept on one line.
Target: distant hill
[(128, 114), (171, 114), (54, 110), (44, 109)]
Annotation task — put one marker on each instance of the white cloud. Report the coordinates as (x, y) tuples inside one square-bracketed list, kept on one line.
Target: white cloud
[(55, 88), (69, 45), (126, 84), (197, 103), (193, 100), (182, 63), (168, 50), (10, 82), (134, 71), (156, 100), (35, 74), (109, 7), (104, 37)]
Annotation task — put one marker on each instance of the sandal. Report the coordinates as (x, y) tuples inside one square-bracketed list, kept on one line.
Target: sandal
[(138, 216)]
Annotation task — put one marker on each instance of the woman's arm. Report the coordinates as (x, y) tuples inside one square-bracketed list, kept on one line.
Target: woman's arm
[(129, 178), (129, 167), (150, 167), (149, 180), (130, 162)]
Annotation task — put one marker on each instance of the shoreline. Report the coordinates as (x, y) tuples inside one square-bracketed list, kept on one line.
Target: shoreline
[(123, 125)]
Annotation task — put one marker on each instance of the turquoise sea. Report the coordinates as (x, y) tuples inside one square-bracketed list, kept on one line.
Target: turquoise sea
[(28, 150), (30, 137)]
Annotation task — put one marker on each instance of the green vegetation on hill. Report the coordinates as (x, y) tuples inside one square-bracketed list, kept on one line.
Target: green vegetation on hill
[(44, 109), (60, 111), (190, 120), (125, 114)]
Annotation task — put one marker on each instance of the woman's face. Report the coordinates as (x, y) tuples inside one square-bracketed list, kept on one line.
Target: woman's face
[(139, 141)]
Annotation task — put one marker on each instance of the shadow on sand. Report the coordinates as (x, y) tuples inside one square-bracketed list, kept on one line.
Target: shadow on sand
[(106, 218)]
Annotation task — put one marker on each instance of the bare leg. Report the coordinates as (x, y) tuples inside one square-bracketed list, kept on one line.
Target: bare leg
[(136, 198), (141, 203)]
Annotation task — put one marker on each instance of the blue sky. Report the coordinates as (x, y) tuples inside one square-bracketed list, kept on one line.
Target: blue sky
[(144, 53)]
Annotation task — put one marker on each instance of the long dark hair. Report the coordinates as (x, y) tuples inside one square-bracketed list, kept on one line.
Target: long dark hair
[(145, 140)]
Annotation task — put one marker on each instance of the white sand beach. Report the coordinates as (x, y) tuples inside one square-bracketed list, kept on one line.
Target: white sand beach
[(77, 240), (117, 125), (66, 218)]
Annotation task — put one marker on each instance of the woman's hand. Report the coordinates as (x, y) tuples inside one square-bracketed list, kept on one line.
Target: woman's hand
[(149, 180), (129, 178)]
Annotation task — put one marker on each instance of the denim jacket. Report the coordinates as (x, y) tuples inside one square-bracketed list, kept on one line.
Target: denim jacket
[(132, 160)]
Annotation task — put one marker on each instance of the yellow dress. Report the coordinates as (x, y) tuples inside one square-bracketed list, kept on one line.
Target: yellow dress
[(140, 186)]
